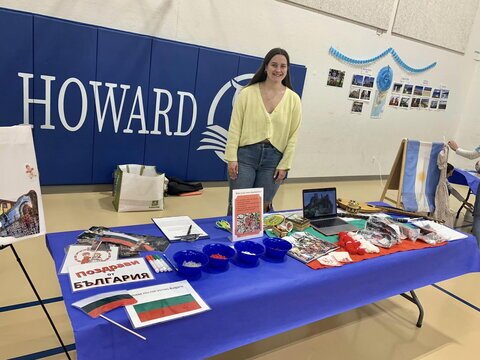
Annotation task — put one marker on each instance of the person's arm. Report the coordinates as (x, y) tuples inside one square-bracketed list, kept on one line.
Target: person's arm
[(234, 133), (469, 154), (286, 162)]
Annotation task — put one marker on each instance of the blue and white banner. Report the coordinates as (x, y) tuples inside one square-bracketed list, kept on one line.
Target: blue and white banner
[(421, 175), (98, 97)]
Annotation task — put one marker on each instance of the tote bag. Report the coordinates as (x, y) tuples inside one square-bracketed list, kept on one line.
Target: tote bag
[(138, 188), (21, 208)]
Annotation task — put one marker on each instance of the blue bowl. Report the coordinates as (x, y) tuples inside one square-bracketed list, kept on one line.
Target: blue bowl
[(248, 252), (186, 258), (220, 249), (276, 248)]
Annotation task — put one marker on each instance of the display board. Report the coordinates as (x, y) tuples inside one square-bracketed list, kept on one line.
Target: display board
[(444, 23), (97, 98), (369, 12)]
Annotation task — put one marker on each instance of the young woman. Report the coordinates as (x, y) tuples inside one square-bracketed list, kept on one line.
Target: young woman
[(264, 129), (471, 154)]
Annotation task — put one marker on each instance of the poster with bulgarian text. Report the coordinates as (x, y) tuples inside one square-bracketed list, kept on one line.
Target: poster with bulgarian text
[(247, 213)]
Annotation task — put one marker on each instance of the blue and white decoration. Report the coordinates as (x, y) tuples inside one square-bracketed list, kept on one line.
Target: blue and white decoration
[(384, 79), (421, 175), (335, 53), (98, 97)]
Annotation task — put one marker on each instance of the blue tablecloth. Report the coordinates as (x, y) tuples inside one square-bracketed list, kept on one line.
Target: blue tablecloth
[(465, 177), (250, 304)]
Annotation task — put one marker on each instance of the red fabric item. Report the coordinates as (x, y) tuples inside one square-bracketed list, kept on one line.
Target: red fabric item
[(191, 193), (405, 245)]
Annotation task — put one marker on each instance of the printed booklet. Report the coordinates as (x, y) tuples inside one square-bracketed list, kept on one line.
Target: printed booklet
[(308, 247)]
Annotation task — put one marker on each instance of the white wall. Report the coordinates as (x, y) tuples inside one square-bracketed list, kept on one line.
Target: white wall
[(333, 142)]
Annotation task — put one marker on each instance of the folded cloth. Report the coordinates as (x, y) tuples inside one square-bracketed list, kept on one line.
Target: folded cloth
[(177, 186)]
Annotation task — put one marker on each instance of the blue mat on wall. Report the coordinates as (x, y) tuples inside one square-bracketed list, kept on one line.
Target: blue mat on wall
[(99, 97)]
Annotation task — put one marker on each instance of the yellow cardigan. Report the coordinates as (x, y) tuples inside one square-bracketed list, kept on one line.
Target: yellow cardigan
[(251, 123)]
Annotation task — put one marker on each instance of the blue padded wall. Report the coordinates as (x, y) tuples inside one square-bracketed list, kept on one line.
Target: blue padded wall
[(215, 69), (122, 59), (64, 50), (174, 69), (16, 55), (80, 144)]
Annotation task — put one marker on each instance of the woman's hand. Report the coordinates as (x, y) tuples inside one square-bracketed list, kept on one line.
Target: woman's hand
[(233, 170), (279, 175), (453, 145)]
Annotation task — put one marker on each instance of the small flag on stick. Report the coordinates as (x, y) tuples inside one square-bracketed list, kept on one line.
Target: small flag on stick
[(96, 305)]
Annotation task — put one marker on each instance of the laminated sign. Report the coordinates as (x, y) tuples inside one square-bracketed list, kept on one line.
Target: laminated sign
[(21, 209)]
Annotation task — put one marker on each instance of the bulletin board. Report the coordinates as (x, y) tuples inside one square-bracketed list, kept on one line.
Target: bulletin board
[(370, 12), (443, 23)]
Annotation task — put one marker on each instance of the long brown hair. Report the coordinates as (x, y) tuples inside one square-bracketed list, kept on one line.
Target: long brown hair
[(261, 74)]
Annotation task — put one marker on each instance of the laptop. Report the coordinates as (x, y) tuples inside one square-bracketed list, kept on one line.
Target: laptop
[(320, 207)]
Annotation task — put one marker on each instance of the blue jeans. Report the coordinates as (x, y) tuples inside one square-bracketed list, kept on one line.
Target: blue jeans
[(476, 217), (256, 167)]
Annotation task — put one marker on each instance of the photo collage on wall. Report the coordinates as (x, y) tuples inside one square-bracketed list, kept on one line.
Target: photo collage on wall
[(335, 78), (408, 96), (360, 92)]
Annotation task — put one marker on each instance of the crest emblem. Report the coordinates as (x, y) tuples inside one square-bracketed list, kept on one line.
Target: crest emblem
[(215, 136)]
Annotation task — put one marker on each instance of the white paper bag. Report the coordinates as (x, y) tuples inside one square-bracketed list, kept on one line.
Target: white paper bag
[(21, 208), (138, 188)]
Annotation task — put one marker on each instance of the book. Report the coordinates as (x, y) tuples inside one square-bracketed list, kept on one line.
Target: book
[(180, 228), (160, 303), (308, 247)]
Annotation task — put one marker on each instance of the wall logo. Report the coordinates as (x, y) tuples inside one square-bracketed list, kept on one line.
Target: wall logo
[(216, 136)]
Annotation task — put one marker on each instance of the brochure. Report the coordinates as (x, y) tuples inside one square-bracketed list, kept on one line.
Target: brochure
[(84, 254), (247, 213), (160, 303), (180, 228), (442, 230), (129, 244), (308, 247)]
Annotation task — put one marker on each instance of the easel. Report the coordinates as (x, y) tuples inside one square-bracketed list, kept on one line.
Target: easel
[(395, 182), (38, 297), (395, 179)]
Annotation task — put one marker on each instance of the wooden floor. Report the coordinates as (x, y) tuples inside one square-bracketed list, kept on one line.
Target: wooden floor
[(383, 330)]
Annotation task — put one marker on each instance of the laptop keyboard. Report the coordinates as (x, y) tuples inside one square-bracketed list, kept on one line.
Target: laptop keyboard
[(328, 222)]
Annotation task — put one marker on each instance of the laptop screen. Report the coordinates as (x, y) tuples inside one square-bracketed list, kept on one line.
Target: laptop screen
[(319, 203)]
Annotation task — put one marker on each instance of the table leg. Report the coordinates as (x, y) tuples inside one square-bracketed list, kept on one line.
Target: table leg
[(464, 202), (414, 299)]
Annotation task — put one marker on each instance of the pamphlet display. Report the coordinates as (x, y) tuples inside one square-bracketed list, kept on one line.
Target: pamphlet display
[(247, 213)]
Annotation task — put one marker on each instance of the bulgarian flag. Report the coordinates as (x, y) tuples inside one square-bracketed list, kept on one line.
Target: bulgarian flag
[(96, 305), (166, 307)]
